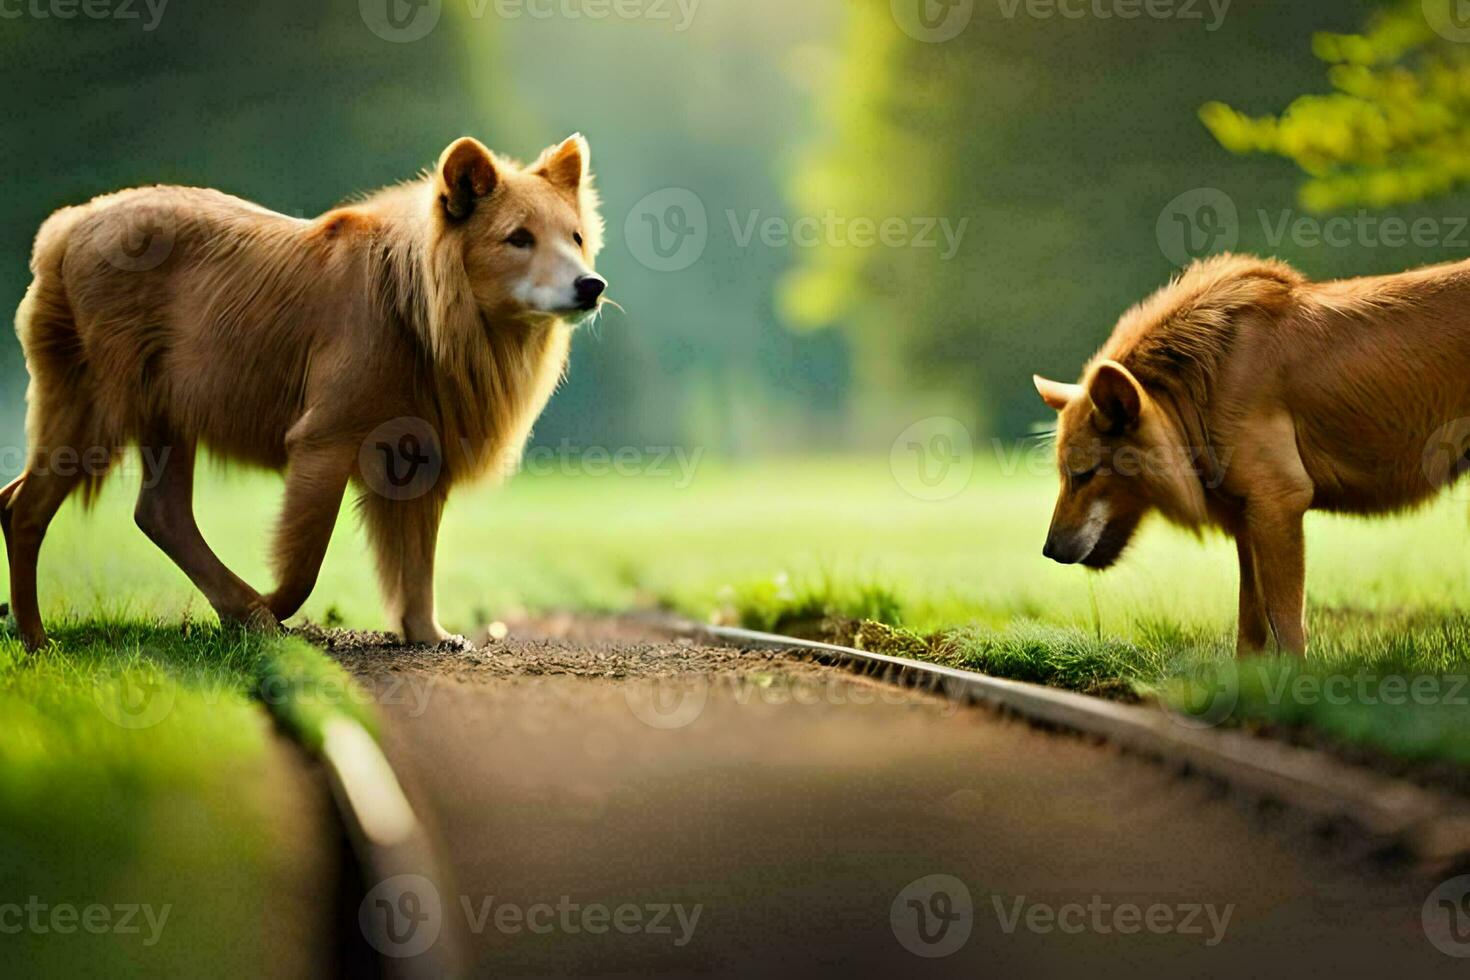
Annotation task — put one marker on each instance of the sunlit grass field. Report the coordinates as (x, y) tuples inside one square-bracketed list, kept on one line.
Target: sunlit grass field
[(749, 541), (781, 544)]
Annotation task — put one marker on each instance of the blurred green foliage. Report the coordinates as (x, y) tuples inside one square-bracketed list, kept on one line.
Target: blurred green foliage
[(1063, 141), (1395, 129), (1046, 146)]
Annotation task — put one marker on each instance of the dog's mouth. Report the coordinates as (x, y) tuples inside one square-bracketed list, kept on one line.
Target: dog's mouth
[(1110, 545)]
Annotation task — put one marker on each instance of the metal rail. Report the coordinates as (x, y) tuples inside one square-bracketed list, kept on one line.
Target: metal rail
[(1432, 827)]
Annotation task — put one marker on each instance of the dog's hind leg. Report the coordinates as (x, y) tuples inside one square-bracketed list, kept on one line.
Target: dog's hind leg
[(31, 504), (165, 513), (316, 479)]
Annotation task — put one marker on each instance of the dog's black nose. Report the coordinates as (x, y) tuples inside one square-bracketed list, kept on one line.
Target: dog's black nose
[(589, 290), (1059, 552)]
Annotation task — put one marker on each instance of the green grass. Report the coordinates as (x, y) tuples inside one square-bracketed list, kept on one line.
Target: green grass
[(785, 543), (139, 768), (94, 807)]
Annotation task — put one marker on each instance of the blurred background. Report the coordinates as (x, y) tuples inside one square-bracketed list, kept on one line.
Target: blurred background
[(826, 219)]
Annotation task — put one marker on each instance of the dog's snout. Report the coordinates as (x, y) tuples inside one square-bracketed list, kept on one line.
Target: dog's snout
[(1061, 551), (589, 290)]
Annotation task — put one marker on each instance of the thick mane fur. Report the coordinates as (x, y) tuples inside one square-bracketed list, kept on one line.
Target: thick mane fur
[(478, 376), (1176, 341)]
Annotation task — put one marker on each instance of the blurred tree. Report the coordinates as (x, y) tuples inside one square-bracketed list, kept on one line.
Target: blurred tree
[(1062, 140), (1397, 128), (296, 106)]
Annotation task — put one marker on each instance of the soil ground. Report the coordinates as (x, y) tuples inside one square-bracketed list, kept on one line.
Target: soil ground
[(594, 786)]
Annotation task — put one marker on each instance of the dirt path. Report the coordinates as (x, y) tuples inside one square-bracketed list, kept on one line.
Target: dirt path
[(615, 803)]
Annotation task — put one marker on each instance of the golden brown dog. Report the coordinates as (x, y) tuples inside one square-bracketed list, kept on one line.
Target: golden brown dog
[(405, 344), (1241, 395)]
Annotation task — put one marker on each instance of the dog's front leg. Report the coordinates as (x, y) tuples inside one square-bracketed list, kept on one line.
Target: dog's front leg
[(316, 479), (1254, 630), (404, 534), (1278, 545)]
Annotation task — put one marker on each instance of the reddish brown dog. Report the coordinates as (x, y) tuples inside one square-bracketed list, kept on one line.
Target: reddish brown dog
[(405, 344), (1241, 396)]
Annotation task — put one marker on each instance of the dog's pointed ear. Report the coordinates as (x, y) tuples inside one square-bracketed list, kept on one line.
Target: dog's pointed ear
[(566, 164), (466, 174), (1056, 395), (1117, 397)]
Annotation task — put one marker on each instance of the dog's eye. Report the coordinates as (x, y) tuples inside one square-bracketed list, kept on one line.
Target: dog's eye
[(1082, 479), (521, 238), (577, 237)]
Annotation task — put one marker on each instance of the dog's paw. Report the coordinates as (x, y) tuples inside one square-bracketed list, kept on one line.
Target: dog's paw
[(454, 643)]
